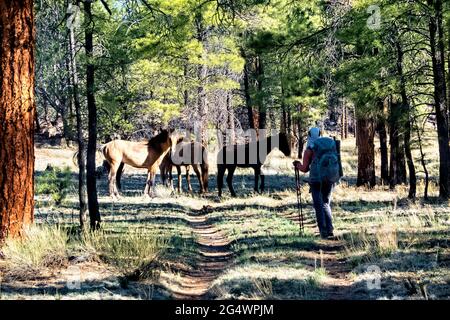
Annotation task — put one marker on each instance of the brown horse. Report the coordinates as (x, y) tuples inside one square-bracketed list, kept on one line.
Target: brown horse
[(250, 155), (187, 154), (144, 154)]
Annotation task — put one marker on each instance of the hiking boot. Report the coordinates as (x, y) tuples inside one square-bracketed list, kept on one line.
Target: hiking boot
[(327, 236), (331, 236), (324, 235)]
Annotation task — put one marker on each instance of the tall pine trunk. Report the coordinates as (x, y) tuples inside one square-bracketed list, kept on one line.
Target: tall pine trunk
[(382, 133), (230, 118), (300, 131), (248, 101), (422, 160), (91, 180), (397, 169), (17, 116), (344, 121), (437, 57), (262, 120), (186, 91), (82, 191), (366, 152), (406, 110), (410, 161), (284, 115), (202, 73)]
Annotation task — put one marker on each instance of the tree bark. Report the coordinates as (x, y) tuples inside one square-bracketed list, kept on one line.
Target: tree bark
[(366, 152), (261, 106), (94, 213), (37, 123), (82, 191), (422, 161), (410, 161), (186, 92), (283, 122), (397, 170), (17, 115), (248, 102), (230, 118), (344, 124), (333, 103), (300, 131), (437, 57), (284, 115), (290, 129), (406, 113), (202, 74), (382, 133)]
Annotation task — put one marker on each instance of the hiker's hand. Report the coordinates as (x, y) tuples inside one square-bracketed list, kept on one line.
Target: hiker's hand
[(297, 164)]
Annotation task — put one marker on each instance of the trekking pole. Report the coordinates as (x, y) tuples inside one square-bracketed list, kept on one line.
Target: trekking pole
[(299, 201)]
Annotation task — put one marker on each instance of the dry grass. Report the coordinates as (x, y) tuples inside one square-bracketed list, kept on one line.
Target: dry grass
[(364, 247), (131, 255), (41, 248)]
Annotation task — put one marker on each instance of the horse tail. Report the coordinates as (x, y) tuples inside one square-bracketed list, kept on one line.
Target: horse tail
[(75, 159), (107, 163), (103, 150)]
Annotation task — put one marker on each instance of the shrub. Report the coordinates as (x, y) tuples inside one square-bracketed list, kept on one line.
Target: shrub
[(54, 182)]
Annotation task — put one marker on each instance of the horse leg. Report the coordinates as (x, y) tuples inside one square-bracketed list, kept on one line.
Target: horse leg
[(199, 177), (205, 176), (170, 180), (262, 180), (146, 184), (113, 192), (149, 184), (152, 179), (220, 173), (230, 180), (119, 176), (165, 178), (179, 178), (188, 178), (257, 174)]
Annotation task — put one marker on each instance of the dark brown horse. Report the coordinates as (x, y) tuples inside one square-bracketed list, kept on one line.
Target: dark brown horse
[(186, 154), (250, 155), (144, 154)]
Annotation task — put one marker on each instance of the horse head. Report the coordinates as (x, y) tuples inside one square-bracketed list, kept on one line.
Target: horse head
[(163, 141), (284, 145)]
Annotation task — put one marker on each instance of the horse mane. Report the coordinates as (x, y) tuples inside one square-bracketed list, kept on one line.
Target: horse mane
[(157, 140)]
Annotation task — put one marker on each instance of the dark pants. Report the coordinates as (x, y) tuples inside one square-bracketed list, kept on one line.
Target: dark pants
[(321, 194)]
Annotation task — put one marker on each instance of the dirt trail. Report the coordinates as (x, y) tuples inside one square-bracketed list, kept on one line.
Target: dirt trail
[(213, 257), (329, 256)]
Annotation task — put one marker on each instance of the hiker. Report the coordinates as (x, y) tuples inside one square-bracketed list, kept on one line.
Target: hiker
[(321, 158)]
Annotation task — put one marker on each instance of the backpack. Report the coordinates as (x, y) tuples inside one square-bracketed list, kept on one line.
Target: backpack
[(326, 164)]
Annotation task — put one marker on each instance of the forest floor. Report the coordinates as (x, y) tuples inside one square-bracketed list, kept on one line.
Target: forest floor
[(249, 247)]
